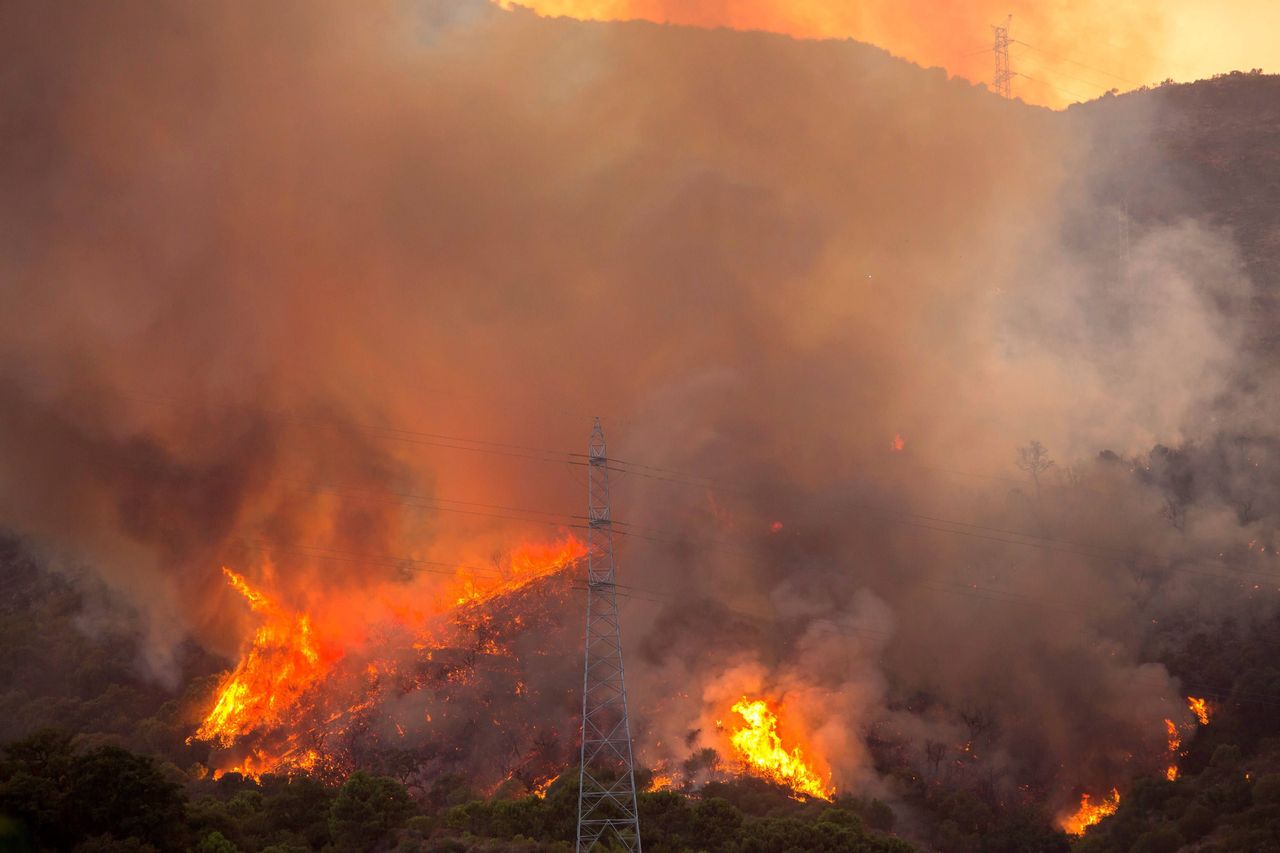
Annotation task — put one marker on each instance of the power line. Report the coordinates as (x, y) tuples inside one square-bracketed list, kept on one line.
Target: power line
[(1213, 691), (1218, 692), (556, 519), (1092, 83), (417, 437), (364, 558), (658, 597), (972, 529), (973, 590), (561, 520), (1078, 97), (918, 520), (1074, 62)]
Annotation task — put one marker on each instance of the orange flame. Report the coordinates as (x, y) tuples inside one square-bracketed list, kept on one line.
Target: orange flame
[(1090, 813), (281, 664), (1199, 707), (760, 748), (898, 444), (1175, 741), (663, 782), (527, 564), (290, 655), (259, 762)]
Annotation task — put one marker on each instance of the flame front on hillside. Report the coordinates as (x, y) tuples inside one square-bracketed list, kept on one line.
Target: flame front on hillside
[(305, 675), (1175, 742), (282, 662), (1090, 813), (760, 748)]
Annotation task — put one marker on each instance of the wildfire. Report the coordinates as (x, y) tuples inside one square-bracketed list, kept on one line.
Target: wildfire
[(1199, 707), (276, 691), (1175, 741), (1091, 813), (258, 762), (527, 564), (283, 661), (540, 788), (898, 444), (760, 748), (663, 782)]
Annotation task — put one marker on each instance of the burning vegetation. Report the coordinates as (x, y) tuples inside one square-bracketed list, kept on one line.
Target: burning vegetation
[(1174, 744), (281, 663), (214, 338), (1090, 812), (307, 683), (760, 748), (1199, 707)]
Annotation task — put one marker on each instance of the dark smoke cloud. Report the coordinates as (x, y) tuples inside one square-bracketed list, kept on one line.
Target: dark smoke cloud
[(241, 242)]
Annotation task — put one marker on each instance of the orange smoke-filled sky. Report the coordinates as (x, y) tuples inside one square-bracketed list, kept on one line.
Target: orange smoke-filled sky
[(1064, 50)]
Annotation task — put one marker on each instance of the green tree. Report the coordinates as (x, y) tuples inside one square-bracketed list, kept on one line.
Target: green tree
[(367, 811), (1267, 789), (106, 797), (215, 842), (115, 791), (1024, 830), (666, 819), (35, 777), (299, 806), (1196, 822), (1162, 840), (717, 823)]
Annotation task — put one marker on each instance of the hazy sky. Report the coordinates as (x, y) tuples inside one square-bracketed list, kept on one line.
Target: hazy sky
[(1071, 51)]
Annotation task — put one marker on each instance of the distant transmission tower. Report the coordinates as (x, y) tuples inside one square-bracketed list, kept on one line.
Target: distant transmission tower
[(1002, 82), (608, 817)]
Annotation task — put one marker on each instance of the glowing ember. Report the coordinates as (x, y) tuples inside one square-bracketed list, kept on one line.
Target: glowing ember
[(898, 443), (1175, 741), (663, 782), (1199, 707), (760, 748), (1091, 813), (776, 527)]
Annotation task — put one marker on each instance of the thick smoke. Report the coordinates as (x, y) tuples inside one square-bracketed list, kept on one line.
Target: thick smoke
[(247, 247)]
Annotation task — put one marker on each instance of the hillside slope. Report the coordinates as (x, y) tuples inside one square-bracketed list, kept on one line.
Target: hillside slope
[(1209, 149)]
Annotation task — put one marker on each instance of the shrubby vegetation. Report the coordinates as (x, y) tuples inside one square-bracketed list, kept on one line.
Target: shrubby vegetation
[(1227, 799), (59, 795), (116, 774)]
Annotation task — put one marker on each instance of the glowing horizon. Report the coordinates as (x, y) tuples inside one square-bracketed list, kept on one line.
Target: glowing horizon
[(1060, 55)]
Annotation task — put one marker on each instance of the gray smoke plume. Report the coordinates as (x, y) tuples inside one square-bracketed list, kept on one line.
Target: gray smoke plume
[(259, 259)]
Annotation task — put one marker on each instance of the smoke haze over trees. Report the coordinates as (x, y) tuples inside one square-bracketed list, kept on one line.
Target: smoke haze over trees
[(309, 291)]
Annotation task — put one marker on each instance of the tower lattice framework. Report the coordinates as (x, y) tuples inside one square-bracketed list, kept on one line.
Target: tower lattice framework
[(1002, 80), (607, 813)]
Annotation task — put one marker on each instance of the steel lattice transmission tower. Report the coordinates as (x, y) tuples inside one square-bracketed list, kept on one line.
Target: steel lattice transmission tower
[(1002, 81), (608, 817)]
